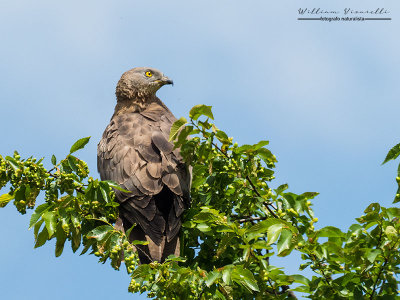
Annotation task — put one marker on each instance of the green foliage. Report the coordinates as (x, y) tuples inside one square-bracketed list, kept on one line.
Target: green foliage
[(76, 206), (79, 144), (393, 154), (234, 228)]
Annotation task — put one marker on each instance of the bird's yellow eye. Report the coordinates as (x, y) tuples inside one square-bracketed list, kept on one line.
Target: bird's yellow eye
[(149, 74)]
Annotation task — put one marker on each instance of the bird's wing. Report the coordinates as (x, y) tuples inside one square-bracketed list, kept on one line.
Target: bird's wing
[(134, 152)]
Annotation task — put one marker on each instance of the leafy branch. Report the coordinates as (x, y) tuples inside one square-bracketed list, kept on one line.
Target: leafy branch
[(230, 235)]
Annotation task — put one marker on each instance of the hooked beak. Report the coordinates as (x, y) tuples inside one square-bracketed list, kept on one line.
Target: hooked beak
[(166, 80)]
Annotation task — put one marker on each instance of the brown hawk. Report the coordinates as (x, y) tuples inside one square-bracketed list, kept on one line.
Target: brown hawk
[(135, 153)]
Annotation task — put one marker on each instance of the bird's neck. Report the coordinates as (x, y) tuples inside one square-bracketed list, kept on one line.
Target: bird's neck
[(135, 104)]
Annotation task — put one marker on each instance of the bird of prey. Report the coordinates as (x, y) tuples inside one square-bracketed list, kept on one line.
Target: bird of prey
[(135, 153)]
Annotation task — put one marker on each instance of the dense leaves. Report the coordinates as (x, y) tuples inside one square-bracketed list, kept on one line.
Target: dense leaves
[(230, 235)]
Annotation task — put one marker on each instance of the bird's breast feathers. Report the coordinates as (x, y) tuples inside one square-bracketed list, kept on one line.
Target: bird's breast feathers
[(135, 152)]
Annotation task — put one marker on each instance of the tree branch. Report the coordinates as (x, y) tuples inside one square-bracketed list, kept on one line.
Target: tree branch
[(315, 259), (251, 184), (382, 267), (249, 219), (259, 195)]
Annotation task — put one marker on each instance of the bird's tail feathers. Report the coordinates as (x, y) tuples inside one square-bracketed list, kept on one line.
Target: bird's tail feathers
[(152, 252), (161, 252)]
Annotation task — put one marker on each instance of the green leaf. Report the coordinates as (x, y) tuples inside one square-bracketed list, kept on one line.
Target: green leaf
[(183, 134), (260, 144), (397, 197), (371, 254), (300, 279), (63, 217), (274, 228), (72, 162), (245, 277), (4, 199), (88, 243), (222, 137), (281, 188), (392, 154), (273, 233), (105, 191), (178, 124), (37, 228), (284, 242), (304, 289), (38, 213), (244, 148), (79, 144), (53, 160), (27, 191), (261, 244), (211, 277), (75, 219), (219, 295), (263, 226), (308, 195), (137, 242), (203, 227), (253, 148), (42, 238), (50, 221), (115, 186), (200, 110), (115, 239), (13, 162), (128, 232), (142, 271), (330, 231), (99, 233), (393, 212), (175, 258), (373, 207), (227, 274), (398, 170), (61, 238), (266, 155), (76, 239)]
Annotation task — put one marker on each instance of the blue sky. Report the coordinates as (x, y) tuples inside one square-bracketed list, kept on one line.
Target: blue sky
[(324, 94)]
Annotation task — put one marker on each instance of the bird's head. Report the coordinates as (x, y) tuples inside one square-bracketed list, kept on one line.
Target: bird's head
[(140, 83)]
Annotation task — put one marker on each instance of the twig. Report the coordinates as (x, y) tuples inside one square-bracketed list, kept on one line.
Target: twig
[(290, 293), (314, 257), (259, 195), (201, 294), (220, 150), (249, 219), (382, 267), (273, 289), (249, 180), (377, 278), (78, 188), (143, 252)]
